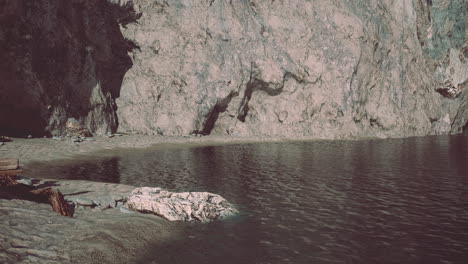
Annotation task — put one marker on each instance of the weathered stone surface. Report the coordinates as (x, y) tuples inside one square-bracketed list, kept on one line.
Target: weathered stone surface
[(441, 127), (186, 206), (460, 124), (289, 68), (74, 129), (325, 69), (105, 202)]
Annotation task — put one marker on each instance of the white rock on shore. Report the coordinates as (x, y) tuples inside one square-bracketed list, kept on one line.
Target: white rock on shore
[(186, 206)]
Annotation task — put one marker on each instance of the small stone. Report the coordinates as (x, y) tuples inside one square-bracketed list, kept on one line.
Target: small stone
[(1, 143), (5, 139), (29, 136), (25, 181), (216, 200), (84, 202), (74, 128), (282, 116), (125, 210), (76, 139)]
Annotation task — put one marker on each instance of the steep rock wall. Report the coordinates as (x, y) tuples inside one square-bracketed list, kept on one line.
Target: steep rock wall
[(325, 69), (292, 68)]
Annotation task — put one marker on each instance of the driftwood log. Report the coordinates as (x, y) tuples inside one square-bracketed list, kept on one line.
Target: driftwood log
[(10, 189)]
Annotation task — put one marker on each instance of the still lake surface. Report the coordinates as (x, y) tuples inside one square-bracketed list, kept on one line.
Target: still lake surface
[(368, 201)]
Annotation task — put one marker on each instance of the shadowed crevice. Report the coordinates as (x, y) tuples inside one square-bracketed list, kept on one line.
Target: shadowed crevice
[(62, 59), (271, 89), (220, 107)]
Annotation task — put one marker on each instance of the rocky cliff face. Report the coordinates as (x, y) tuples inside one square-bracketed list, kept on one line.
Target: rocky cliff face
[(321, 69)]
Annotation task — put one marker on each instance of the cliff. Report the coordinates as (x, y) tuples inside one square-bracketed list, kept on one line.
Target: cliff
[(321, 69)]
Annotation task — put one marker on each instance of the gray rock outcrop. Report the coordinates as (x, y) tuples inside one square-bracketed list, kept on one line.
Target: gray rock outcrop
[(302, 68), (186, 206)]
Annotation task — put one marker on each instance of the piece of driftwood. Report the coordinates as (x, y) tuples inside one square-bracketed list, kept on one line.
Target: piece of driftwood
[(56, 200), (5, 139), (9, 164), (10, 189)]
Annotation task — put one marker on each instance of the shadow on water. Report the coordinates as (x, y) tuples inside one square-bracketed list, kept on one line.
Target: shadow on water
[(374, 201), (53, 55), (101, 170)]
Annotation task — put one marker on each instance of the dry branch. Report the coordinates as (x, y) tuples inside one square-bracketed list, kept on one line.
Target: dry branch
[(10, 189)]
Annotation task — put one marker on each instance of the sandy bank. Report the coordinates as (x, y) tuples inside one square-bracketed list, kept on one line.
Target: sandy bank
[(33, 233)]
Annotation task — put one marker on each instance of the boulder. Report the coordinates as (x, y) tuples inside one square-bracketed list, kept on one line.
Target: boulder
[(185, 206)]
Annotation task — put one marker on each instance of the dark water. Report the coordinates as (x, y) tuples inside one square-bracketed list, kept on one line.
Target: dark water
[(376, 201)]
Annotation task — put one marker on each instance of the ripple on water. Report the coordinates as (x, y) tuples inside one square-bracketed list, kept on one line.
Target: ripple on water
[(376, 201)]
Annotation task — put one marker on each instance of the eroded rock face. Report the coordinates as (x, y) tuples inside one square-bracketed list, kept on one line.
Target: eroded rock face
[(321, 69), (186, 206), (325, 69)]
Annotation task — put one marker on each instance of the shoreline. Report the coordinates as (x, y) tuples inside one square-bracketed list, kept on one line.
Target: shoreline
[(48, 149)]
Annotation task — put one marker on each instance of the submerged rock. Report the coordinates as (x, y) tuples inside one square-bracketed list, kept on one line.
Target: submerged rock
[(186, 206)]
